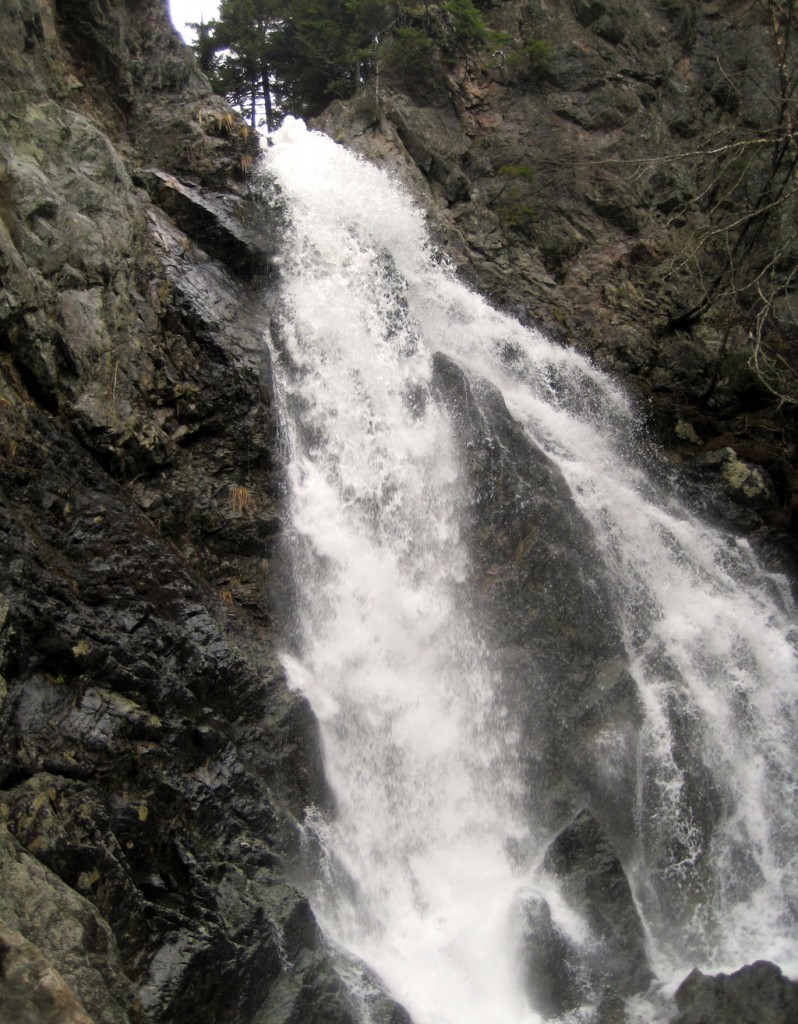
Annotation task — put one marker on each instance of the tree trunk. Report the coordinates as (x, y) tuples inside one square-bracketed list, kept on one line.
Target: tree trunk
[(267, 100)]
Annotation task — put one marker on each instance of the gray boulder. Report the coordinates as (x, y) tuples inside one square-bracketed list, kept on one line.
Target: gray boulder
[(756, 994), (594, 883), (547, 609), (553, 978)]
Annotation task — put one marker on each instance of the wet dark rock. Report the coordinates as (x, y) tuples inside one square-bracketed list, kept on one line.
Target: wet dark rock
[(154, 766), (577, 216), (746, 482), (593, 882), (756, 994), (605, 964), (221, 223), (553, 977), (547, 609)]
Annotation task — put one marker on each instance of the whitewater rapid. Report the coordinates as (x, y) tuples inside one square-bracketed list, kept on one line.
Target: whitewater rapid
[(416, 872)]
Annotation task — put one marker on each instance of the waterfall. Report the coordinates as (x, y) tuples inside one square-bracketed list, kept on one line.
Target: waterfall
[(431, 846)]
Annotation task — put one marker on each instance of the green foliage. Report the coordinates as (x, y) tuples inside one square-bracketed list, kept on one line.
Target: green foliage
[(538, 52), (407, 52), (305, 53), (315, 51), (467, 29), (518, 171), (513, 200), (498, 40), (530, 62), (233, 50), (517, 215), (205, 46)]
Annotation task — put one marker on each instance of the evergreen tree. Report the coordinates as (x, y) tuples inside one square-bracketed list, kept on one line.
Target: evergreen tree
[(233, 50), (304, 53), (314, 54)]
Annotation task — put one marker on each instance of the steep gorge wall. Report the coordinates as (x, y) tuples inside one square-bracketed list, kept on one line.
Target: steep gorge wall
[(153, 764), (569, 176)]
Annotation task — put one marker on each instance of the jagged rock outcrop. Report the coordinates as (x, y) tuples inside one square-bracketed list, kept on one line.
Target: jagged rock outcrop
[(593, 881), (560, 173), (46, 922), (153, 765), (547, 612), (610, 962), (554, 977), (758, 992)]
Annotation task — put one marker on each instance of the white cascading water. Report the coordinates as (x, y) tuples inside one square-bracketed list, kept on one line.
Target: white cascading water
[(419, 874)]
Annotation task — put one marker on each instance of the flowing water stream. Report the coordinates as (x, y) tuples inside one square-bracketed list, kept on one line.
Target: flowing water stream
[(418, 872)]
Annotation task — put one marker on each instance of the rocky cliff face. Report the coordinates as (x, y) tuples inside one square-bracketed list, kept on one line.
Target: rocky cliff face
[(153, 763), (575, 177)]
